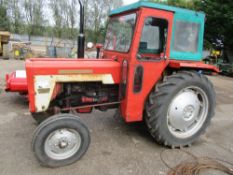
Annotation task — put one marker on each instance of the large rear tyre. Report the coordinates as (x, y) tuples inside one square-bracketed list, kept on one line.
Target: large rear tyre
[(180, 108), (60, 140)]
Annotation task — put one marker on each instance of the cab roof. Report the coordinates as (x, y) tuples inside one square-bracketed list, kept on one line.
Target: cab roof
[(153, 5)]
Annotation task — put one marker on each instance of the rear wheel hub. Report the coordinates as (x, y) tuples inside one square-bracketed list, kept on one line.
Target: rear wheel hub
[(187, 112)]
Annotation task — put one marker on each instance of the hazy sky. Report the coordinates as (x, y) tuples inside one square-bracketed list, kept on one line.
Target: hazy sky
[(126, 2)]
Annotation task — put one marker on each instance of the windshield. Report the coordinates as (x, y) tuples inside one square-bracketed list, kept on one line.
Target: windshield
[(120, 33)]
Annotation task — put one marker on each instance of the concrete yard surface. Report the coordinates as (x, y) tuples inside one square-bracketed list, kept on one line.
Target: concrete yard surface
[(116, 148)]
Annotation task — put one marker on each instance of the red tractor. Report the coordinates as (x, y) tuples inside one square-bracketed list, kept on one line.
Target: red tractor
[(150, 68)]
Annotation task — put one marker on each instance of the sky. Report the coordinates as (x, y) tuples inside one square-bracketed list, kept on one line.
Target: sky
[(126, 2)]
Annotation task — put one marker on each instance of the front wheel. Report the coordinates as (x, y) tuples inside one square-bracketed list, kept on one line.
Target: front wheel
[(60, 140), (180, 108)]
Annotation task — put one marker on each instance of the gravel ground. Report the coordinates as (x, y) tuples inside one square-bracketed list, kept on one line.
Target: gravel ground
[(116, 148)]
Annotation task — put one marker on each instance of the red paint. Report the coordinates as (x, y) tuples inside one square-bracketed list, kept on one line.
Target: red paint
[(133, 105), (88, 100), (176, 64), (84, 110), (99, 46), (153, 56), (56, 91), (41, 66), (15, 84)]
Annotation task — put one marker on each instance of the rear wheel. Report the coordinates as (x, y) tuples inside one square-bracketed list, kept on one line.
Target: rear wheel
[(60, 140), (180, 108)]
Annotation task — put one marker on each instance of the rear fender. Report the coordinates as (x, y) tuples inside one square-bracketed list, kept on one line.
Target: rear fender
[(175, 64)]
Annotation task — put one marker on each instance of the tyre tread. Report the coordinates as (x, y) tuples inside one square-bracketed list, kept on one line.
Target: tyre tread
[(152, 118)]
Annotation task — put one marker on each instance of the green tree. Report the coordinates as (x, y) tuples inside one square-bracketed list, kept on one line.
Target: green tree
[(190, 4), (57, 17), (15, 15), (96, 17), (219, 20), (4, 20), (65, 17), (34, 15)]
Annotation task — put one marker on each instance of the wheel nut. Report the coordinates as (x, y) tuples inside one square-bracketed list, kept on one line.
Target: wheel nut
[(63, 145)]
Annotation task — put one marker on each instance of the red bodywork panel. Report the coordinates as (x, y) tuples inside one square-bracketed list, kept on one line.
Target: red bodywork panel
[(175, 64), (42, 66), (16, 84)]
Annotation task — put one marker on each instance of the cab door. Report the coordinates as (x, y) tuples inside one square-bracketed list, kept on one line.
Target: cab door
[(151, 48)]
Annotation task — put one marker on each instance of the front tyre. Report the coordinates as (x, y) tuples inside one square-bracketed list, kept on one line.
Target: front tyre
[(60, 140), (40, 117), (180, 108)]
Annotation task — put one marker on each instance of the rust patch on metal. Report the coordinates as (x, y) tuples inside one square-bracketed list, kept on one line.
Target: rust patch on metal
[(43, 91), (81, 71)]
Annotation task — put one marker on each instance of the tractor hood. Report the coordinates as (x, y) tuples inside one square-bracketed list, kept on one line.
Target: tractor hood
[(44, 74), (105, 70), (84, 67)]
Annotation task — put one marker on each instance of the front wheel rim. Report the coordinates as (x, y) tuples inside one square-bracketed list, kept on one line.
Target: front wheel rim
[(187, 112), (62, 144)]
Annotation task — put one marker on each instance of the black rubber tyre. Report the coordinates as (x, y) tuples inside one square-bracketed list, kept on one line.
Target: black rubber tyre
[(57, 123), (159, 100), (40, 117)]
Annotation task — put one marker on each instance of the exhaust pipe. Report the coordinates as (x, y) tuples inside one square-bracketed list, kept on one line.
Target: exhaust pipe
[(81, 37)]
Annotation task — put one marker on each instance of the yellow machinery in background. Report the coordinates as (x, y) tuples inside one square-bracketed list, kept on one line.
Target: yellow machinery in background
[(22, 50), (4, 39)]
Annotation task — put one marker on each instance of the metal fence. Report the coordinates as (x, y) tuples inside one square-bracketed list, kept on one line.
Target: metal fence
[(47, 46), (45, 41)]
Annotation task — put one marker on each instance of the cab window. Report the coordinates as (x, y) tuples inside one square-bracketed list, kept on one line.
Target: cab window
[(153, 38), (186, 37), (120, 32)]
